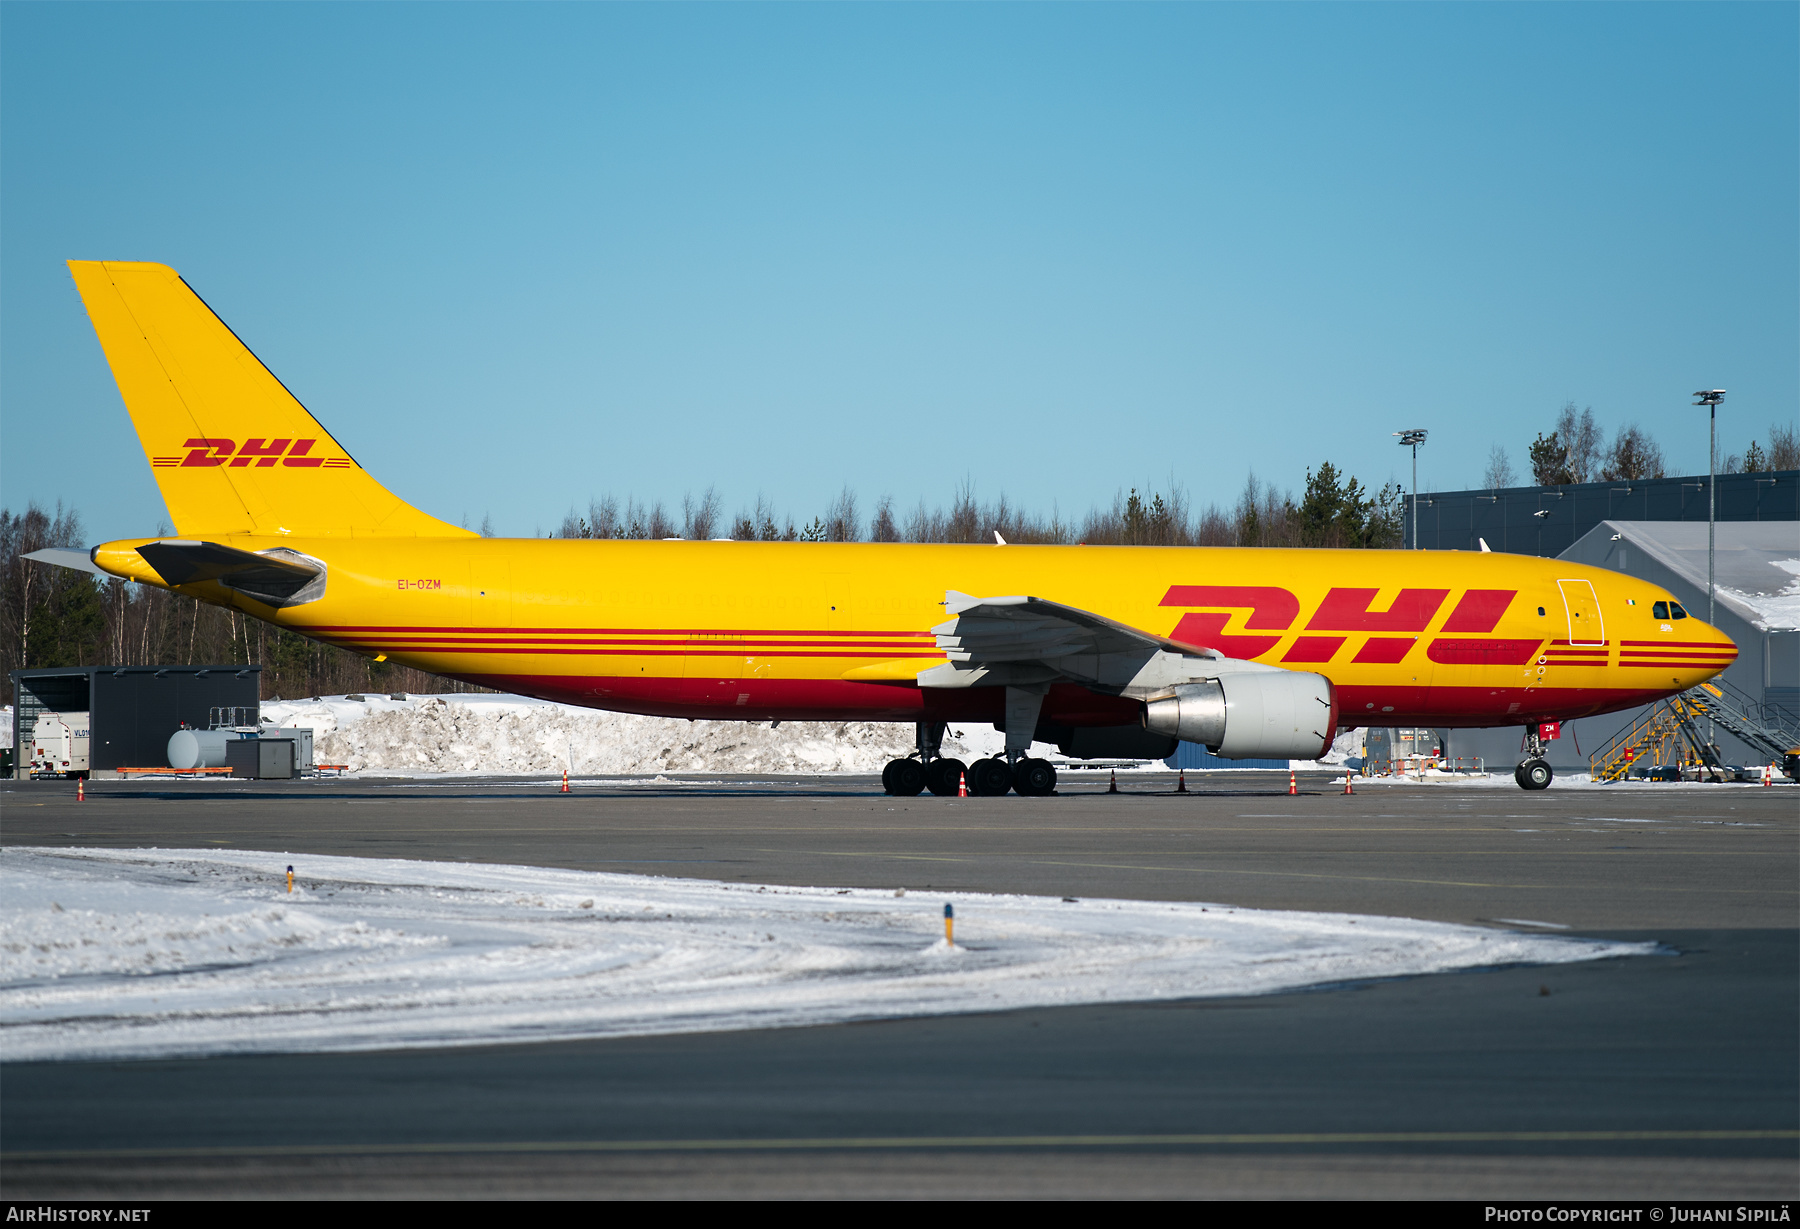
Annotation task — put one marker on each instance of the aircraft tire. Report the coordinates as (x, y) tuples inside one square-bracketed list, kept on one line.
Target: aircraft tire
[(903, 778), (1533, 774), (942, 776), (1034, 778), (990, 778)]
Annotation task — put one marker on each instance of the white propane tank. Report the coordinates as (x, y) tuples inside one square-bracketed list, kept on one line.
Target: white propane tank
[(198, 748)]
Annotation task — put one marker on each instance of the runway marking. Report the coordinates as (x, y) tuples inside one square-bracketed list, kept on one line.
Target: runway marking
[(822, 1144)]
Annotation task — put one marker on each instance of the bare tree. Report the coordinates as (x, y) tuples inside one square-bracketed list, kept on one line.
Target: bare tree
[(1784, 448), (882, 527), (965, 515), (926, 524), (1499, 469), (699, 517), (1633, 455), (1581, 437), (842, 522), (603, 517), (1215, 528)]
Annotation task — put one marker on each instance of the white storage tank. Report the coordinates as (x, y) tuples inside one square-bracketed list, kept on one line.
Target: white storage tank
[(199, 748)]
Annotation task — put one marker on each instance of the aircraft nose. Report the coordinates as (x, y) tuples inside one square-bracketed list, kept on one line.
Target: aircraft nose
[(1697, 652), (1708, 651)]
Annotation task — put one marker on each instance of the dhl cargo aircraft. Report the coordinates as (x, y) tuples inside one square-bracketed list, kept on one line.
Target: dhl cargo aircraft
[(1102, 650)]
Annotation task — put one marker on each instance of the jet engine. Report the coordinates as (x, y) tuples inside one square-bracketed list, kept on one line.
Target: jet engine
[(1281, 714)]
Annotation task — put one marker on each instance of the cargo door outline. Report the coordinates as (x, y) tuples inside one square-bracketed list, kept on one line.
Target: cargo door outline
[(1582, 608)]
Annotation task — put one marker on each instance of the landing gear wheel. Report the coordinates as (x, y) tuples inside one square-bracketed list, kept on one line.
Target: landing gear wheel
[(942, 776), (908, 778), (990, 778), (903, 778), (1533, 774), (1034, 778)]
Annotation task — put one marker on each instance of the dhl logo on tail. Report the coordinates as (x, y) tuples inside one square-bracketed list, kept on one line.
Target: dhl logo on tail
[(264, 453)]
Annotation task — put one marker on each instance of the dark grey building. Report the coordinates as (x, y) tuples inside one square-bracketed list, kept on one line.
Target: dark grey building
[(1548, 520), (132, 710)]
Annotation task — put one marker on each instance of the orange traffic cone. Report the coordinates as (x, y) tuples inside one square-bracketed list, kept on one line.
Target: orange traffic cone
[(1114, 787), (1181, 782), (1293, 786), (565, 788), (80, 789), (1768, 774), (1347, 775), (962, 785)]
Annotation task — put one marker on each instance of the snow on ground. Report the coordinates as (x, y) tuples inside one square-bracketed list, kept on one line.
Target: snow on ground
[(516, 735), (463, 733), (109, 953)]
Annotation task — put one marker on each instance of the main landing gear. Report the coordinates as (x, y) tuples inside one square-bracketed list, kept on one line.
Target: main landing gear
[(1533, 771), (927, 769)]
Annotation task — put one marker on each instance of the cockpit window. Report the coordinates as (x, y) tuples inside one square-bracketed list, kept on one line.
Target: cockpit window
[(1676, 612), (1660, 610)]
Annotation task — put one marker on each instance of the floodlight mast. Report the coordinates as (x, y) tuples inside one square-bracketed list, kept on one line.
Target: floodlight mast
[(1413, 439), (1710, 398)]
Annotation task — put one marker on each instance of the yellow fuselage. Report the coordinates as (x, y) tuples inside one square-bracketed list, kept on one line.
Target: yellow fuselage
[(829, 631)]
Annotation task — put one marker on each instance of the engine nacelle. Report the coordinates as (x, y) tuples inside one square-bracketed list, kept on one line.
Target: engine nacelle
[(1281, 714)]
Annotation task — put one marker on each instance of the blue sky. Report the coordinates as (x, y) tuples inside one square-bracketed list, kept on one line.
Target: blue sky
[(517, 255)]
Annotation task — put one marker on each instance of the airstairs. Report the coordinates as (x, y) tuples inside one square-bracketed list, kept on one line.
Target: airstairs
[(1769, 729), (1667, 735)]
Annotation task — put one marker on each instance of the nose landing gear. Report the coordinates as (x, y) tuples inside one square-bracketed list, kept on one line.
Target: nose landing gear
[(1533, 774)]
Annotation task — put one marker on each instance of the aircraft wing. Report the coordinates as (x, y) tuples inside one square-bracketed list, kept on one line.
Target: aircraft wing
[(1027, 640)]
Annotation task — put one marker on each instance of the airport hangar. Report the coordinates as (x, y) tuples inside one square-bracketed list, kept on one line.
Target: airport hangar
[(1655, 529)]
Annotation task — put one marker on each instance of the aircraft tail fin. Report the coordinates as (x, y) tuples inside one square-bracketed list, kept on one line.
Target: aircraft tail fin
[(232, 450)]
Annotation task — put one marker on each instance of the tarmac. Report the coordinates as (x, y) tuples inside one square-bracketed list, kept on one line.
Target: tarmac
[(1674, 1076)]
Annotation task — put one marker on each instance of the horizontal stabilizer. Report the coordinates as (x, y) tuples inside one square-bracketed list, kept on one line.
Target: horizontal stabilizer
[(276, 579), (62, 557)]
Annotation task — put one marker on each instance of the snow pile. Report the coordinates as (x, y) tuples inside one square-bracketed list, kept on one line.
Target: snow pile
[(114, 953), (513, 734), (1347, 745), (516, 735)]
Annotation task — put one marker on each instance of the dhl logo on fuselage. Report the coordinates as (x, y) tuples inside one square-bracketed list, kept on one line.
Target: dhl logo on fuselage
[(1269, 616), (264, 453), (1348, 610)]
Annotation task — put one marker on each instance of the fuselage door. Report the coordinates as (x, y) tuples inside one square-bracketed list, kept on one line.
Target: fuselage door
[(1585, 624)]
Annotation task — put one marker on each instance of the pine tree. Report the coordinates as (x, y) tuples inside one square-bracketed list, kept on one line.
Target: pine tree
[(1550, 461)]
